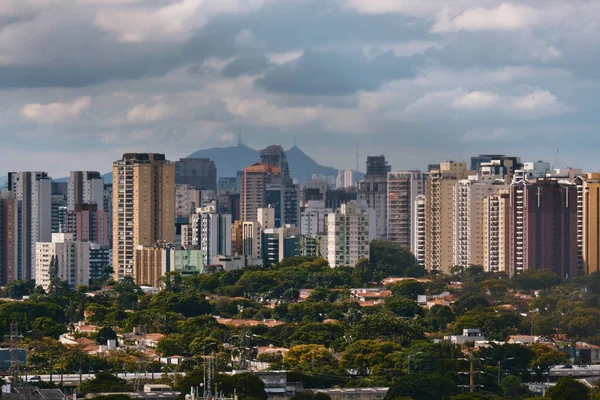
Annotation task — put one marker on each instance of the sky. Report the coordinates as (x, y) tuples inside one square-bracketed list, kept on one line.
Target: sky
[(83, 81)]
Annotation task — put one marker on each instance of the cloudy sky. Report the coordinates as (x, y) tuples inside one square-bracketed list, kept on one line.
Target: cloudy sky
[(82, 81)]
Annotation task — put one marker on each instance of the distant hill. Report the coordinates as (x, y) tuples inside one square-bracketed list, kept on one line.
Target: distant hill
[(230, 160)]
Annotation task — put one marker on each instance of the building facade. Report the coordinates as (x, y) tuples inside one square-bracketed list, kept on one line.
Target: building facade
[(70, 260), (152, 263), (85, 187), (254, 188), (208, 231), (469, 195), (439, 216), (496, 232), (143, 207), (199, 173), (402, 191), (33, 191), (544, 226), (350, 231)]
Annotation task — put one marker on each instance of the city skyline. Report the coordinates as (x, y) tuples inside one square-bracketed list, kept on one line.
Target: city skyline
[(82, 84)]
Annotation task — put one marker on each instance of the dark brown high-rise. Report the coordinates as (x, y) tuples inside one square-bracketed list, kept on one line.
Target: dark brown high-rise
[(543, 226)]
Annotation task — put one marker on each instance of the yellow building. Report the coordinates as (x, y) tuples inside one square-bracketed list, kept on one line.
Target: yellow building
[(143, 207), (439, 214), (496, 232), (588, 224)]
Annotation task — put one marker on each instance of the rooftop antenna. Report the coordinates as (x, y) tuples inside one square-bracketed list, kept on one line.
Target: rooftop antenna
[(556, 158)]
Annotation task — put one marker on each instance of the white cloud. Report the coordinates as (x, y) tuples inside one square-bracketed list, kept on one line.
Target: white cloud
[(172, 22), (537, 104), (476, 100), (537, 100), (55, 112), (281, 58), (143, 113), (506, 16)]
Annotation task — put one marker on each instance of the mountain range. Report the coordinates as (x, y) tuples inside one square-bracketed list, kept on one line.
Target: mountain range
[(230, 160)]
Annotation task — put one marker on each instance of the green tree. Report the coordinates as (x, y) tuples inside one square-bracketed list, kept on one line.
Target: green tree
[(105, 334), (316, 333), (104, 383), (512, 388), (403, 306), (18, 288), (370, 357), (568, 388), (469, 302), (409, 288), (438, 317), (389, 259), (536, 279), (422, 387), (49, 327), (311, 358), (545, 357)]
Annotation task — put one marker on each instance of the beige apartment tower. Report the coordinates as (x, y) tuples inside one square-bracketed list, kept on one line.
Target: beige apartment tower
[(588, 222), (439, 215), (496, 232), (469, 195), (143, 207)]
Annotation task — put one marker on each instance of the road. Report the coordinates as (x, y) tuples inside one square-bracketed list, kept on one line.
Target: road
[(83, 377)]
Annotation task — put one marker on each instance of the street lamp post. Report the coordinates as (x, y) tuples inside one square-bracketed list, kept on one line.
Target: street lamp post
[(500, 366)]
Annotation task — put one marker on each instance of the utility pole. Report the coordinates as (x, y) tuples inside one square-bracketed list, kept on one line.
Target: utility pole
[(472, 372)]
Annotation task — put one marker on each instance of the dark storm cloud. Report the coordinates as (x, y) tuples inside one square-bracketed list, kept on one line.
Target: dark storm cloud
[(322, 73), (251, 64)]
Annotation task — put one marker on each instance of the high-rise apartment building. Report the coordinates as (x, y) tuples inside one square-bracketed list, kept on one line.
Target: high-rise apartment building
[(252, 239), (418, 229), (313, 218), (350, 231), (496, 232), (199, 173), (544, 226), (91, 225), (143, 207), (275, 156), (468, 217), (34, 193), (496, 165), (280, 243), (85, 187), (237, 238), (9, 237), (208, 231), (372, 191), (69, 258), (345, 179), (187, 200), (403, 188), (59, 210), (439, 216), (588, 222), (254, 188), (108, 209)]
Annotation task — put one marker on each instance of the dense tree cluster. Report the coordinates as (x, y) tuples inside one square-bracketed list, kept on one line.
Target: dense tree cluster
[(332, 339)]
